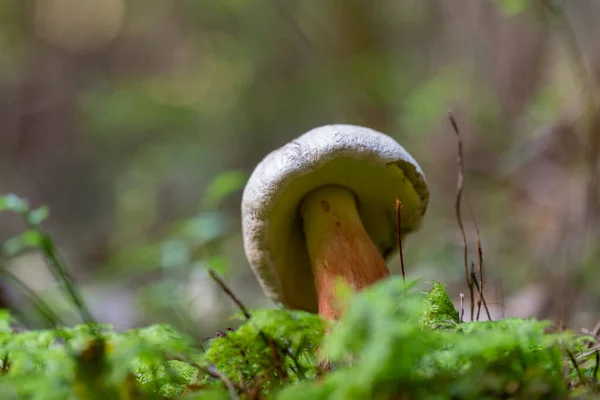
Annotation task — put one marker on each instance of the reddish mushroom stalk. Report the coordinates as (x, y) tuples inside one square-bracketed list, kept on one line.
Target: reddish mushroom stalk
[(338, 246), (342, 181)]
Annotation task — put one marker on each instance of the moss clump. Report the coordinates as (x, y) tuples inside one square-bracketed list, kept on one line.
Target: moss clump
[(439, 311), (275, 346), (392, 342), (396, 345)]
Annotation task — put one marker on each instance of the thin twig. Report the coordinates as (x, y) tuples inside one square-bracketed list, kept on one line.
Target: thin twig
[(480, 268), (219, 334), (462, 307), (299, 369), (230, 387), (476, 286), (257, 383), (213, 274), (596, 329), (269, 342), (5, 364), (209, 370), (588, 353), (479, 258), (576, 366), (459, 193), (399, 228), (276, 358), (596, 365), (482, 300), (301, 373)]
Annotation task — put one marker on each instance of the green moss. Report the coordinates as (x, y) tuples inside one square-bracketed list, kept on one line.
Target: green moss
[(390, 344), (440, 312), (392, 341), (247, 357)]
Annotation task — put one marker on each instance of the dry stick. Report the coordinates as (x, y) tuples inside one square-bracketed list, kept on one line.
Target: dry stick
[(5, 363), (479, 262), (219, 334), (476, 284), (399, 219), (213, 274), (485, 306), (576, 366), (481, 280), (473, 279), (230, 388), (269, 342), (212, 372), (459, 192), (596, 330), (462, 307), (595, 371), (588, 353)]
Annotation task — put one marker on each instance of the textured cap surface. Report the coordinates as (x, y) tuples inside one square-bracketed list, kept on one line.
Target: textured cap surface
[(372, 165)]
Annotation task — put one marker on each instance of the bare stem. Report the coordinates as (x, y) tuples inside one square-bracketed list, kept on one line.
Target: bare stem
[(481, 299), (269, 342), (459, 194), (462, 307), (399, 219), (576, 366)]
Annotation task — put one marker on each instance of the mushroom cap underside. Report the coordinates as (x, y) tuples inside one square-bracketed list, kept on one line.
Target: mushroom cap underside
[(372, 165)]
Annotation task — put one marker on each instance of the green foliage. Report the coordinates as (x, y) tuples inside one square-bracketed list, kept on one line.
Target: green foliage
[(512, 7), (426, 103), (440, 312), (75, 363), (5, 321), (381, 351), (246, 356), (391, 341)]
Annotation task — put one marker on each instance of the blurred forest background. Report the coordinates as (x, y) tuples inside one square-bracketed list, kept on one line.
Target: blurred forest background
[(138, 122)]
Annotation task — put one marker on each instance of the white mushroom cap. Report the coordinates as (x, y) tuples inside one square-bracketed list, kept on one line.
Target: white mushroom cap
[(372, 165)]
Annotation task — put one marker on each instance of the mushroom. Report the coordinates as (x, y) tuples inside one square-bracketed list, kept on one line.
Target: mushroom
[(321, 208)]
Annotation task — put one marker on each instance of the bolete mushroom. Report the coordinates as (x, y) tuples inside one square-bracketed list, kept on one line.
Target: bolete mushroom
[(322, 207)]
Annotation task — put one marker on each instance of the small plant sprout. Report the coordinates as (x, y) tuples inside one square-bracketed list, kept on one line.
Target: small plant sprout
[(322, 208)]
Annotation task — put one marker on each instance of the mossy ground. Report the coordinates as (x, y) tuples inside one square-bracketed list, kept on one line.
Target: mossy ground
[(393, 342)]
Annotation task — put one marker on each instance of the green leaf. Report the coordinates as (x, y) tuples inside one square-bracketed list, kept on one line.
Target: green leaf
[(423, 107), (202, 228), (38, 215), (440, 313), (222, 186), (6, 319), (512, 7), (174, 253), (28, 239), (219, 263), (12, 202)]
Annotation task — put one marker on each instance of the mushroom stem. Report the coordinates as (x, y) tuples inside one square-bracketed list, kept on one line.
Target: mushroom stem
[(338, 246)]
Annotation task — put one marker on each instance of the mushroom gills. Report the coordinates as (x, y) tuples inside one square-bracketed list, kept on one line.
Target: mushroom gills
[(338, 246)]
